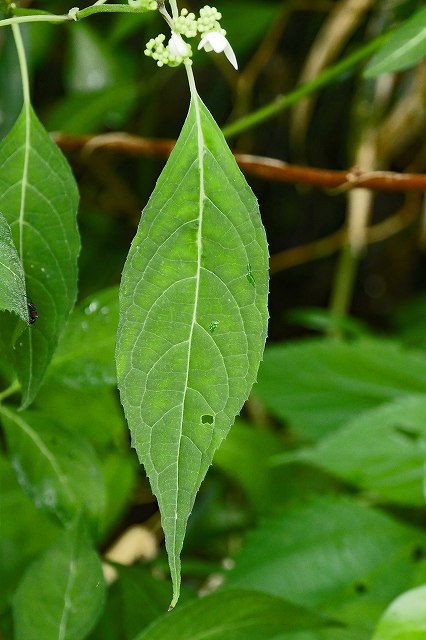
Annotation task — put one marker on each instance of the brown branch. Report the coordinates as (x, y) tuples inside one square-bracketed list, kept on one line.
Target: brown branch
[(258, 166)]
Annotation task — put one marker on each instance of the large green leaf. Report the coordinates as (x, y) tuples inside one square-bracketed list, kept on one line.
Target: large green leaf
[(405, 48), (39, 199), (12, 280), (381, 451), (335, 555), (62, 593), (193, 318), (318, 385), (233, 614), (56, 467), (405, 619)]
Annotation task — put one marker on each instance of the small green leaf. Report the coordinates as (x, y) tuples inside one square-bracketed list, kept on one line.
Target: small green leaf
[(233, 614), (318, 385), (57, 468), (333, 555), (85, 355), (404, 49), (12, 280), (39, 198), (181, 384), (61, 596), (382, 451), (405, 618)]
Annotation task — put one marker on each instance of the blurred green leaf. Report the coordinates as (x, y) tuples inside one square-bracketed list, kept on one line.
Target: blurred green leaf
[(62, 593), (39, 199), (318, 385), (332, 554), (120, 472), (405, 618), (244, 457), (85, 356), (91, 65), (24, 531), (144, 598), (246, 22), (12, 279), (91, 112), (10, 85), (94, 414), (232, 614), (57, 468), (382, 451), (406, 47)]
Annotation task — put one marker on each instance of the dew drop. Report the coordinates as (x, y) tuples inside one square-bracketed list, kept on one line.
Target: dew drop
[(93, 306), (104, 311)]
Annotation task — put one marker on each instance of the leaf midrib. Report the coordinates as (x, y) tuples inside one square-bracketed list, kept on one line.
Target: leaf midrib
[(200, 156)]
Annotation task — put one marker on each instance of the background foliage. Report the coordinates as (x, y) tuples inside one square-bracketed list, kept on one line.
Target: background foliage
[(311, 521)]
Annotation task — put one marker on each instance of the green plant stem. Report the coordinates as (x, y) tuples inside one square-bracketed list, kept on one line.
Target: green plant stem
[(22, 15), (42, 17), (343, 286), (14, 387), (284, 102)]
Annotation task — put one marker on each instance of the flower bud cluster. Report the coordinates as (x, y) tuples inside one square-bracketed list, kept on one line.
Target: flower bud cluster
[(186, 24), (172, 54)]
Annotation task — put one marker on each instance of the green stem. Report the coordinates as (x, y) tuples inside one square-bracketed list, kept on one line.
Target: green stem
[(23, 15), (42, 17), (173, 6), (14, 387), (284, 102), (343, 286)]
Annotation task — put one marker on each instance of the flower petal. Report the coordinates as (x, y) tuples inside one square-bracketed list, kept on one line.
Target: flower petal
[(229, 52), (177, 45)]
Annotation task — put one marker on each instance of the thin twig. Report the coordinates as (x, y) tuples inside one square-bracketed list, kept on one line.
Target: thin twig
[(269, 169)]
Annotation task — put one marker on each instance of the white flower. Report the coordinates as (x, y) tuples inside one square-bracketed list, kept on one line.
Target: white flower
[(215, 41), (177, 45)]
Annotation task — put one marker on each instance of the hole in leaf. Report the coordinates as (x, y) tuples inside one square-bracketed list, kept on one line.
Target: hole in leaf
[(418, 554), (207, 419), (409, 434), (360, 587)]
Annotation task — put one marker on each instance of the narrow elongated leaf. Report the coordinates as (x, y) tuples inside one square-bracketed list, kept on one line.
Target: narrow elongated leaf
[(12, 280), (405, 618), (192, 318), (39, 199), (62, 593), (233, 614), (56, 467), (405, 48), (318, 385), (382, 451)]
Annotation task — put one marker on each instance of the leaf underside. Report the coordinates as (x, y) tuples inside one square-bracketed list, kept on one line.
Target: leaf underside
[(193, 318), (39, 199)]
